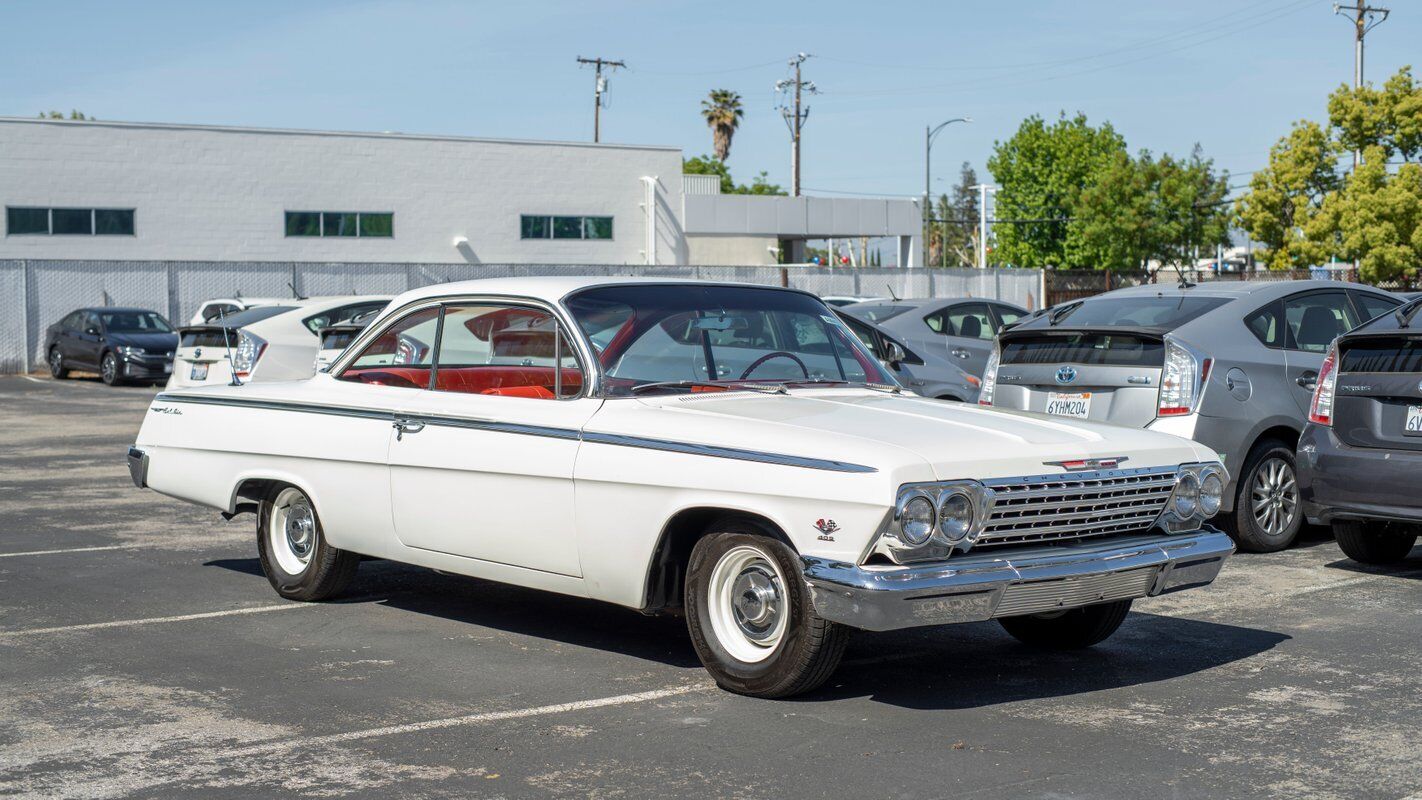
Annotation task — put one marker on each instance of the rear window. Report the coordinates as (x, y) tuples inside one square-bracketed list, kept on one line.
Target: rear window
[(338, 338), (251, 315), (1109, 349), (207, 338), (877, 313), (1166, 313), (1382, 355)]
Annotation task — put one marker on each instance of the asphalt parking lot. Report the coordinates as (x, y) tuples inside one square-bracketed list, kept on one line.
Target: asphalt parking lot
[(143, 654)]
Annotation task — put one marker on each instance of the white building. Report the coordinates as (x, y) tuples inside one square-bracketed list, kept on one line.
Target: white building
[(135, 191)]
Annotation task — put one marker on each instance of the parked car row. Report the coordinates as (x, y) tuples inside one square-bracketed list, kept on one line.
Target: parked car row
[(255, 338)]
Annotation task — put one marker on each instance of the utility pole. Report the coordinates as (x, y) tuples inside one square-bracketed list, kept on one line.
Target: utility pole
[(983, 189), (599, 86), (929, 134), (1363, 19), (795, 116)]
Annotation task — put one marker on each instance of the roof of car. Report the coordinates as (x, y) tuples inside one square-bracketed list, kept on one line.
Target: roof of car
[(1230, 288), (550, 288), (117, 309)]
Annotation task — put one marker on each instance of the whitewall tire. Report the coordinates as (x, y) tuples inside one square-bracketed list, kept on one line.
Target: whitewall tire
[(295, 556)]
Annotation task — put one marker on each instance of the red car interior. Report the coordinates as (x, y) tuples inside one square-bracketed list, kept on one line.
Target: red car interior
[(505, 381)]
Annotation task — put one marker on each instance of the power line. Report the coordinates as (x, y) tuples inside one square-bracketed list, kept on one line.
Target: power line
[(599, 87), (794, 115)]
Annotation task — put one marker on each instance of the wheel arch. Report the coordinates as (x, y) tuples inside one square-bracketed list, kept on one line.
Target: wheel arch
[(250, 489), (666, 570)]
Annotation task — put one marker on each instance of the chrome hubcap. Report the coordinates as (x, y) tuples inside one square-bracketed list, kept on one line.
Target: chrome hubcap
[(1274, 496), (109, 367), (747, 605), (757, 602), (300, 531)]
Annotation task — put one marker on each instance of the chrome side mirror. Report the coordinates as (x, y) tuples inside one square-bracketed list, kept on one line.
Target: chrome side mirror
[(894, 354)]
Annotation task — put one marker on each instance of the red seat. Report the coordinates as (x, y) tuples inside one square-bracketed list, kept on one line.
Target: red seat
[(505, 381)]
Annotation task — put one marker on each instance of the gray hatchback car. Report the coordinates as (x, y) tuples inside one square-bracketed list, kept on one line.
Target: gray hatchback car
[(1230, 365), (960, 330)]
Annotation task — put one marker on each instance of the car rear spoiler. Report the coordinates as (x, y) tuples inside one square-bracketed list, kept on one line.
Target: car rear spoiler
[(1028, 329)]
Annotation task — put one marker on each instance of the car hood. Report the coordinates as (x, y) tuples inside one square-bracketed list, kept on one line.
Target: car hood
[(148, 341), (956, 440)]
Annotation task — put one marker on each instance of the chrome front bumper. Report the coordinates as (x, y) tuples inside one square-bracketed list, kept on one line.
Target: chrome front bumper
[(989, 585)]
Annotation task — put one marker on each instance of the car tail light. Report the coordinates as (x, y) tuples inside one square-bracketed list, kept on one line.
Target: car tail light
[(1182, 380), (1321, 410), (989, 382), (250, 348)]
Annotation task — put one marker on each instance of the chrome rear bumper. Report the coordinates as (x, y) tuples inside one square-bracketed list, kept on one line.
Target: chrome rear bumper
[(138, 467), (985, 586)]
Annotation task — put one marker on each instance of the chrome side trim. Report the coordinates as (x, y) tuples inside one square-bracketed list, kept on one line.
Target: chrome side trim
[(714, 451), (471, 423)]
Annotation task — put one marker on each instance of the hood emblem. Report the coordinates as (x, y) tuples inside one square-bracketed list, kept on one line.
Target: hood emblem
[(1078, 464), (1066, 374)]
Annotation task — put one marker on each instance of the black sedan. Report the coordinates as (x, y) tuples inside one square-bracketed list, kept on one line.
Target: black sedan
[(121, 344), (1361, 452)]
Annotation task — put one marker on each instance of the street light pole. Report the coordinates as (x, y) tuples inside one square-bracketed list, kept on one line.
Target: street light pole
[(929, 134)]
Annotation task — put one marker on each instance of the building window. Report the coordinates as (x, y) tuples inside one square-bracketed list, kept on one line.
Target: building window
[(69, 221), (533, 226), (362, 224)]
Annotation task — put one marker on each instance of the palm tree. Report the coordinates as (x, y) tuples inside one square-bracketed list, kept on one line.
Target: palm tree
[(722, 110)]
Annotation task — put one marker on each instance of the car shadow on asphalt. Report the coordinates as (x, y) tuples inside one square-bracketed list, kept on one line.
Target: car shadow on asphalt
[(978, 664), (946, 667), (1411, 567), (513, 609)]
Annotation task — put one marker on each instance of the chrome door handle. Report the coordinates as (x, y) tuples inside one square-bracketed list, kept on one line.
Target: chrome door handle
[(961, 353), (403, 426)]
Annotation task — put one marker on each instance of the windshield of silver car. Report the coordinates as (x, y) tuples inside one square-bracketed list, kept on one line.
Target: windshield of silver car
[(707, 338)]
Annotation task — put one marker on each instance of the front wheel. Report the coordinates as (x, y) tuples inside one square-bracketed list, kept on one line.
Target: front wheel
[(1374, 542), (295, 556), (1069, 630), (109, 369), (751, 618)]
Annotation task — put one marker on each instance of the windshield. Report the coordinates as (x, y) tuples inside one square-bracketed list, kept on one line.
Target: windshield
[(135, 322), (691, 336), (1166, 313)]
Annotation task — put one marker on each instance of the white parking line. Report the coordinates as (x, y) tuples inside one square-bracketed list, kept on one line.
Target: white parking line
[(129, 623), (72, 550), (468, 719), (32, 379)]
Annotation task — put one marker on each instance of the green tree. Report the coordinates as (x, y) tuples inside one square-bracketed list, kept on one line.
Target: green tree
[(1389, 118), (1042, 172), (75, 115), (1285, 196), (708, 165), (1375, 219), (722, 112), (953, 236)]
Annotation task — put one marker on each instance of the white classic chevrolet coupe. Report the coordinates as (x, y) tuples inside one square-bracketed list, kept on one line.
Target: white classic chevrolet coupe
[(731, 452)]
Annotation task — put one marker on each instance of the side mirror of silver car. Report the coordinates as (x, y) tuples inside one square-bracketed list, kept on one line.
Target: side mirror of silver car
[(894, 354)]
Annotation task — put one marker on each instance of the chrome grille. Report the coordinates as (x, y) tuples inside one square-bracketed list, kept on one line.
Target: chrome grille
[(1075, 505)]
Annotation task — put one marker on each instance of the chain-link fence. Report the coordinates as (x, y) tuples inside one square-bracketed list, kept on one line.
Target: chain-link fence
[(37, 293)]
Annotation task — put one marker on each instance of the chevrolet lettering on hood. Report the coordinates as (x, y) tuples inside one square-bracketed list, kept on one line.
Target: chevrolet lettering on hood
[(730, 453)]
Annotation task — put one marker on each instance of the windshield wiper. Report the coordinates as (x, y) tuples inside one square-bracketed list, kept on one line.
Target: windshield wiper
[(1058, 313), (727, 385)]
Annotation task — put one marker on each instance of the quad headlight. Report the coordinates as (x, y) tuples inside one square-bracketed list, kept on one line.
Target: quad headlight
[(1198, 494), (930, 520)]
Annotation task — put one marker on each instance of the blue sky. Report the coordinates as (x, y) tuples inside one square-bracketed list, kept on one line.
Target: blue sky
[(1230, 75)]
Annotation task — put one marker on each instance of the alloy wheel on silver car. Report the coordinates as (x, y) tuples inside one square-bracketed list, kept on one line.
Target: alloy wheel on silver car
[(1274, 496)]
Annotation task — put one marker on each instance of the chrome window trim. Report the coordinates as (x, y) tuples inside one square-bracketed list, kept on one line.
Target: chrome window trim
[(582, 349), (476, 423)]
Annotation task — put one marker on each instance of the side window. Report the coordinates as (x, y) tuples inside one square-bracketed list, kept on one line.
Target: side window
[(91, 322), (1313, 320), (216, 310), (335, 316), (402, 355), (507, 351), (865, 335), (1374, 305), (72, 322), (1265, 326), (970, 320), (1007, 315)]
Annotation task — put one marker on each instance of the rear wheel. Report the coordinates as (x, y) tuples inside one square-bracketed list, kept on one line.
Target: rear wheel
[(1069, 630), (1267, 512), (751, 619), (109, 369), (1375, 542), (57, 370), (295, 556)]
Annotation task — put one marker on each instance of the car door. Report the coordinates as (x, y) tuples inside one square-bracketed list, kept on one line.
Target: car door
[(481, 462), (89, 340), (67, 338), (1312, 320), (967, 330)]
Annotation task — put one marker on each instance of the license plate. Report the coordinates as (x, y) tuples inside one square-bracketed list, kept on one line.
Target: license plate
[(1414, 421), (1069, 404), (199, 372)]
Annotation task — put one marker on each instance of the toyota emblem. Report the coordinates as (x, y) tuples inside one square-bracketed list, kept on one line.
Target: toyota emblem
[(1066, 374)]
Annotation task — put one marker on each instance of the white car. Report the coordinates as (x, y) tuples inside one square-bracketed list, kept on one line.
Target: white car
[(217, 309), (730, 451), (267, 343)]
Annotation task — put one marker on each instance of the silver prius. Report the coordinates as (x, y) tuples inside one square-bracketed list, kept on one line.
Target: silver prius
[(959, 330), (1230, 365)]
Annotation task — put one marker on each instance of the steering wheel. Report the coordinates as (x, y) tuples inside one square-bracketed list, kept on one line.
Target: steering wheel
[(776, 354)]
